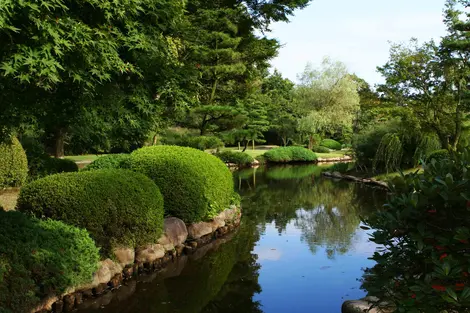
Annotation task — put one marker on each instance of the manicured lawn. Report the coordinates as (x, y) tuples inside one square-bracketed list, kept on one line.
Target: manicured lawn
[(8, 198), (83, 158), (333, 154), (386, 177)]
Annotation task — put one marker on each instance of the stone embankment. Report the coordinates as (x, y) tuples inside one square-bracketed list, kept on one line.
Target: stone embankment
[(178, 239), (367, 181)]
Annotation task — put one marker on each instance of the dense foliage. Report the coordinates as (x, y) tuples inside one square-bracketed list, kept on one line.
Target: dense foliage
[(438, 155), (110, 161), (196, 186), (196, 142), (290, 155), (39, 258), (425, 233), (331, 144), (13, 164), (117, 207), (236, 157)]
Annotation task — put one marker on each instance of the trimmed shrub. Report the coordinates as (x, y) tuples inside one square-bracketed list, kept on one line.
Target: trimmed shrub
[(13, 164), (196, 186), (331, 144), (117, 207), (192, 141), (239, 158), (320, 149), (439, 155), (290, 154), (110, 161), (39, 258)]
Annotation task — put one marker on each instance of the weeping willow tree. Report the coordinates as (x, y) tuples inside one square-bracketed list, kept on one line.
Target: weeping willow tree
[(427, 144), (389, 153)]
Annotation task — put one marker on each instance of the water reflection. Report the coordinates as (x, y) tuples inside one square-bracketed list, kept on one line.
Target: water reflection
[(299, 249)]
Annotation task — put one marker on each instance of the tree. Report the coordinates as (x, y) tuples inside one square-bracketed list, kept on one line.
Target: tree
[(328, 98)]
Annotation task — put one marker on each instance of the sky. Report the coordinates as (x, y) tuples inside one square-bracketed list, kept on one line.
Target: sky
[(355, 32)]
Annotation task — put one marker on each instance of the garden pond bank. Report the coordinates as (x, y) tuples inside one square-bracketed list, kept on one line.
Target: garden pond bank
[(299, 248)]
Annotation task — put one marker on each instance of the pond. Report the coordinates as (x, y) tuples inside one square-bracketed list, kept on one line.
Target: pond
[(300, 248)]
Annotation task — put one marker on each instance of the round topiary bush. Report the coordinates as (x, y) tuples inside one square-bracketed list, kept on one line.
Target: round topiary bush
[(290, 155), (39, 258), (117, 207), (13, 164), (239, 158), (331, 144), (320, 149), (196, 186), (438, 155), (110, 161)]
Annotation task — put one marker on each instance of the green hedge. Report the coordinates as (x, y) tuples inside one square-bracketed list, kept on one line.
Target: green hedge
[(195, 185), (13, 164), (196, 142), (117, 207), (439, 155), (110, 161), (290, 155), (239, 158), (41, 257), (331, 144), (320, 149)]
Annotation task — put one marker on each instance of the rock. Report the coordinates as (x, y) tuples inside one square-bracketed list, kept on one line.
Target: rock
[(58, 306), (46, 304), (149, 253), (88, 293), (69, 303), (179, 249), (78, 298), (365, 305), (174, 233), (115, 282), (230, 215), (218, 222), (124, 256), (106, 270), (197, 230), (128, 272), (100, 289)]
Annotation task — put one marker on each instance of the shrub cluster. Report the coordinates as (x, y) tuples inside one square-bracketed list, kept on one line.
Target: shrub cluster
[(41, 164), (192, 141), (13, 164), (239, 158), (331, 144), (195, 185), (425, 233), (110, 161), (117, 207), (39, 258), (438, 155), (290, 155), (320, 149)]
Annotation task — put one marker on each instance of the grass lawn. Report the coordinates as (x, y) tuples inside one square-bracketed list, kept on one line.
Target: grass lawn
[(83, 158), (8, 198), (386, 177), (332, 154)]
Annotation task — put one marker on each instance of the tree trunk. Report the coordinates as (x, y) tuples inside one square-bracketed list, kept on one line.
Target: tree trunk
[(59, 142), (154, 140), (246, 145), (310, 142), (239, 148), (253, 145), (284, 141)]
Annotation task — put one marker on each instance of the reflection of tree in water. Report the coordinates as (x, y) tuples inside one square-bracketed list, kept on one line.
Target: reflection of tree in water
[(236, 295), (326, 211)]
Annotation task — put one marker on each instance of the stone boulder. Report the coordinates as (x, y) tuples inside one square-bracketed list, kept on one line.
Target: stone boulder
[(149, 253), (198, 230), (175, 233), (366, 305), (124, 256)]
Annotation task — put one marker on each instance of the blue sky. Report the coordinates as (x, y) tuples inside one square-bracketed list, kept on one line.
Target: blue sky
[(356, 32)]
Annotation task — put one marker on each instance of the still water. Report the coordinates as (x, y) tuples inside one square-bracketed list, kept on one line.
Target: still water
[(300, 248)]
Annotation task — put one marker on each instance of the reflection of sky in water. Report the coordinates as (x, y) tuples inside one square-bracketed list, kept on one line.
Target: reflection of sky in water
[(299, 281)]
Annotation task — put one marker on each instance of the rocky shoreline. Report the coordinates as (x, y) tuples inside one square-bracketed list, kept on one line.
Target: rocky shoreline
[(178, 240)]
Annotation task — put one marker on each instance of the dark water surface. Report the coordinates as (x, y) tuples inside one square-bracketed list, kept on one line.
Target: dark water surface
[(299, 249)]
